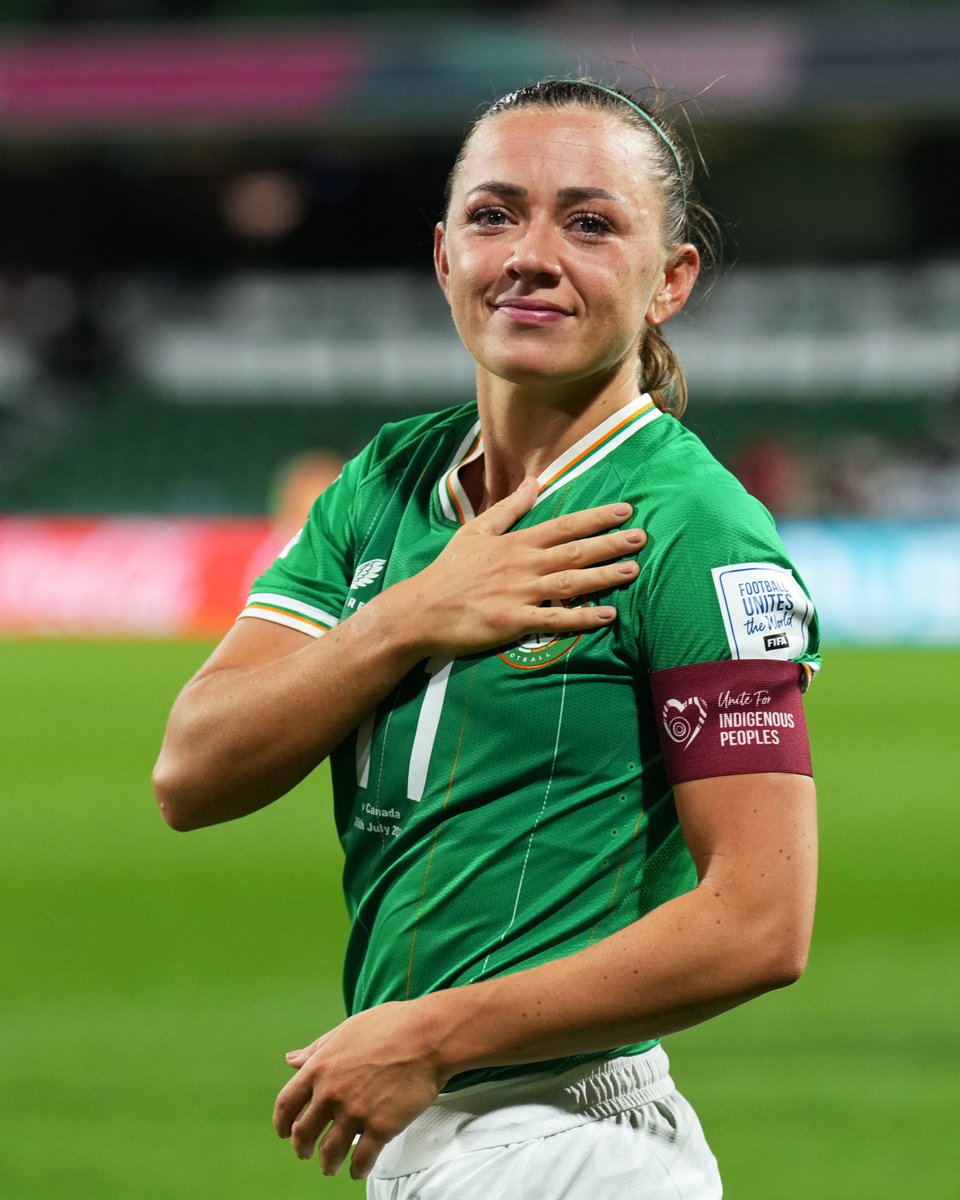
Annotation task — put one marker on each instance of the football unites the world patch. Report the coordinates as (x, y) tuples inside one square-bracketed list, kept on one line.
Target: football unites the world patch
[(766, 613), (732, 717)]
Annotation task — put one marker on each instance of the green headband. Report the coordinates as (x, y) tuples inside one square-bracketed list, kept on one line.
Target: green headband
[(649, 120)]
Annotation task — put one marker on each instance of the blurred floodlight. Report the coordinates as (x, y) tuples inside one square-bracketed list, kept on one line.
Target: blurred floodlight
[(263, 205)]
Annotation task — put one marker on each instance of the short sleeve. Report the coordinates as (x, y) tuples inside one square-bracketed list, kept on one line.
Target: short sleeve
[(729, 635), (307, 585), (715, 583)]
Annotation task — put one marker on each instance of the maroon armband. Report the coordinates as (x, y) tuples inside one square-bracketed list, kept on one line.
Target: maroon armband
[(734, 717)]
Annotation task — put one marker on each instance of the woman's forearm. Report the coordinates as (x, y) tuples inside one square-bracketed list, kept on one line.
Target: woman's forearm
[(745, 929), (240, 736), (683, 963)]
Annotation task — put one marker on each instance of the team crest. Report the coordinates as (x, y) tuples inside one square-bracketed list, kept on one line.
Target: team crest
[(541, 649)]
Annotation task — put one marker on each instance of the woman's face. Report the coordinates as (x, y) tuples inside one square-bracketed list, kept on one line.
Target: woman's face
[(552, 257)]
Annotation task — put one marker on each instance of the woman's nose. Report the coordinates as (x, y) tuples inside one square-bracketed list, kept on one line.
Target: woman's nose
[(533, 255)]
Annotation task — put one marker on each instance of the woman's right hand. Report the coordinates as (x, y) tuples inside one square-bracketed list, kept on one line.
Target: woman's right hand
[(492, 584)]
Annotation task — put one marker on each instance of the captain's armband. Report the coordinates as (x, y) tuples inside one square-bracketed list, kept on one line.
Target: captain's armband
[(732, 717)]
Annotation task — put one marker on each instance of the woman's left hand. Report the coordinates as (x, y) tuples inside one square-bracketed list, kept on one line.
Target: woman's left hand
[(366, 1079)]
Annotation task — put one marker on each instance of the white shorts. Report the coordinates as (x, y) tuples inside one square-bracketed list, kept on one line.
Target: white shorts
[(617, 1129)]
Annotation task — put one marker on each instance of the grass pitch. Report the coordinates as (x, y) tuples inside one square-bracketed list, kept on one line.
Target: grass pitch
[(151, 982)]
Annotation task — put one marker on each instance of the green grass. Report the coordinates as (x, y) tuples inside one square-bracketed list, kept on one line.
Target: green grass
[(150, 982)]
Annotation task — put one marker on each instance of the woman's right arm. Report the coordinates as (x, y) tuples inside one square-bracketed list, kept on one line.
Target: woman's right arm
[(271, 703)]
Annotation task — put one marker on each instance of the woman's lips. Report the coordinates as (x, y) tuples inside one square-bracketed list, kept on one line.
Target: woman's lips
[(532, 312)]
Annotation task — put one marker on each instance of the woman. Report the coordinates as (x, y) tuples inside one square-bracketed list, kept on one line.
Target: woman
[(572, 785)]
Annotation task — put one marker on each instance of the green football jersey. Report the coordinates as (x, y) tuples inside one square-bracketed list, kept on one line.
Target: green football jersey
[(505, 809)]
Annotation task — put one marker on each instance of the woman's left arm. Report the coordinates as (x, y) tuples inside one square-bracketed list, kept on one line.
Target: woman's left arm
[(743, 930)]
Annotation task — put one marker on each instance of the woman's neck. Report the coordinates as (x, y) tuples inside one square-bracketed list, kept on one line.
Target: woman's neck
[(526, 429)]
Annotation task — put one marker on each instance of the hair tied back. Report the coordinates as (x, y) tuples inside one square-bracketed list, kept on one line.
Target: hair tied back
[(599, 87)]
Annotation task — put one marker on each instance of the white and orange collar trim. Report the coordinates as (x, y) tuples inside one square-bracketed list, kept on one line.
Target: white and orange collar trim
[(580, 457)]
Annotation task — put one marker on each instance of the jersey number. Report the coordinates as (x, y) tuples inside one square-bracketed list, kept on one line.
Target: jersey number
[(427, 724)]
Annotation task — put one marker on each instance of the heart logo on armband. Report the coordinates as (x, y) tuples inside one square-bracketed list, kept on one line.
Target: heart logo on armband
[(683, 719)]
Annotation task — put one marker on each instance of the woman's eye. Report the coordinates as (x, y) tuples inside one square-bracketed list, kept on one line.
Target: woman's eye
[(488, 218), (591, 224)]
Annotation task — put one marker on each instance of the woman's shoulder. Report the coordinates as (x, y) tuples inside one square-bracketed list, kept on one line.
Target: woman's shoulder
[(679, 476), (400, 444)]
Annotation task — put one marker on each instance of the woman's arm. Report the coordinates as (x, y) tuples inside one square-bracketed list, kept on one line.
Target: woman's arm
[(743, 930), (271, 703), (267, 707)]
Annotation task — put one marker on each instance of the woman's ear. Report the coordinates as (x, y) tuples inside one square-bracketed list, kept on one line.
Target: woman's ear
[(440, 262), (679, 276)]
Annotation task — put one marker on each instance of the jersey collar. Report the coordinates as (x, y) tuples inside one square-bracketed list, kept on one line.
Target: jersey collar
[(574, 461)]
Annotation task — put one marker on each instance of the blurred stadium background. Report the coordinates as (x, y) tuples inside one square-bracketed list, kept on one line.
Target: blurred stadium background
[(215, 266)]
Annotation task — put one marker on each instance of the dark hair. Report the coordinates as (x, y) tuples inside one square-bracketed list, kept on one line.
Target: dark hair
[(685, 218)]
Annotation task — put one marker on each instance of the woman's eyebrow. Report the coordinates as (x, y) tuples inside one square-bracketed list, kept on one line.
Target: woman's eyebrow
[(510, 190), (574, 195), (567, 195)]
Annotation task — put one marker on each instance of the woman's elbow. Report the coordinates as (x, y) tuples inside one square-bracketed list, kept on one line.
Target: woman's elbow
[(175, 798), (194, 792), (783, 957), (787, 967)]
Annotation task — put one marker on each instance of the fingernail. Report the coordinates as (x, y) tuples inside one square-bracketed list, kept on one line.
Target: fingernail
[(634, 536), (606, 614), (622, 510), (627, 568)]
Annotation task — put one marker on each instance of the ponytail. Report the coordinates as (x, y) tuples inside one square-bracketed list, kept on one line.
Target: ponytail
[(661, 374)]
